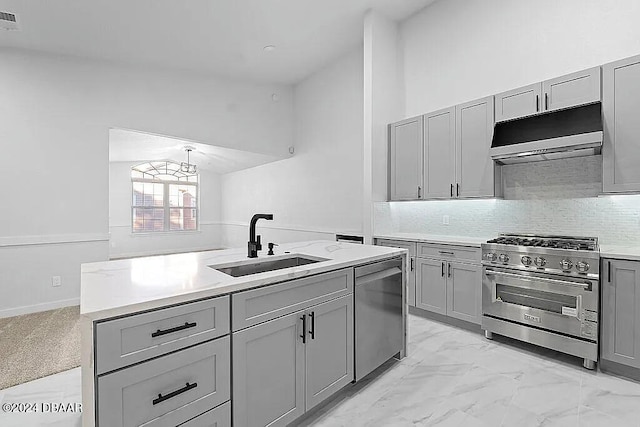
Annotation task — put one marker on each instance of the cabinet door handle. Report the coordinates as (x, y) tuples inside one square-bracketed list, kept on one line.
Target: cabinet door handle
[(419, 190), (443, 269), (312, 329), (186, 325), (609, 272), (449, 268), (445, 252), (457, 190), (451, 190), (162, 398), (537, 103), (304, 329), (546, 101), (411, 264)]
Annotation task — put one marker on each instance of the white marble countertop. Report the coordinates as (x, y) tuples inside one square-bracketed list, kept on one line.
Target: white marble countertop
[(114, 288), (629, 252), (435, 238)]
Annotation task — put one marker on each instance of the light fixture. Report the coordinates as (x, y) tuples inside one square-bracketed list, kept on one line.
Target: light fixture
[(269, 48), (188, 167)]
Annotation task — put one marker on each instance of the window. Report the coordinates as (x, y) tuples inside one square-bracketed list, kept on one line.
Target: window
[(163, 198)]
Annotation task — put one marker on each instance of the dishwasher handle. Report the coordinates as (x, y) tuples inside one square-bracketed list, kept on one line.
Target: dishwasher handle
[(379, 275)]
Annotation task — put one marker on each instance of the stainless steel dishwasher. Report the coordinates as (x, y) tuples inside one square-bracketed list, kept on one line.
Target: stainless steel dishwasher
[(378, 314)]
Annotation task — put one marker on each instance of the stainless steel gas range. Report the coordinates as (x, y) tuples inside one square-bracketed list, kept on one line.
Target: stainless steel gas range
[(544, 290)]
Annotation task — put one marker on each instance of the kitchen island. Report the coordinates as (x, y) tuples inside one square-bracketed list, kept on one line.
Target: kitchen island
[(159, 335)]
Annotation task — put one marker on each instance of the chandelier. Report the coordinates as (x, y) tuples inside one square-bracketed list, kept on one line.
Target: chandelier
[(188, 167)]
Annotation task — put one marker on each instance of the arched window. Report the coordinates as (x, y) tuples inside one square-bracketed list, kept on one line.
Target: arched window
[(164, 198)]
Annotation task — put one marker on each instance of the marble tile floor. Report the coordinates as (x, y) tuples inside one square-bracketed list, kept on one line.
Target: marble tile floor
[(452, 377), (455, 377), (63, 387)]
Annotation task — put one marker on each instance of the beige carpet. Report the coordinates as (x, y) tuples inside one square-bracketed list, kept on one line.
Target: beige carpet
[(35, 345)]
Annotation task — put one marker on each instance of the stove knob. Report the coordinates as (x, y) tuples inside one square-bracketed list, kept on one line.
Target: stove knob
[(540, 262), (504, 258), (566, 264), (491, 257), (582, 266), (526, 260)]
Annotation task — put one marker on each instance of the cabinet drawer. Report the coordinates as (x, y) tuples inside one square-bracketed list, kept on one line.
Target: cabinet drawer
[(410, 246), (460, 253), (266, 303), (217, 417), (168, 390), (122, 342)]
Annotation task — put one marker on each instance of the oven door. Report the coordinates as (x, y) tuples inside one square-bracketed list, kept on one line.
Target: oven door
[(552, 302)]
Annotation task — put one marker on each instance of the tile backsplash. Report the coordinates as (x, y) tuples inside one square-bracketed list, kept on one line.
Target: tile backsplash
[(550, 197)]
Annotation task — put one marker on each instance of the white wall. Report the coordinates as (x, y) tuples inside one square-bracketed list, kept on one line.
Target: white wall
[(459, 50), (318, 191), (382, 105), (55, 112), (123, 243)]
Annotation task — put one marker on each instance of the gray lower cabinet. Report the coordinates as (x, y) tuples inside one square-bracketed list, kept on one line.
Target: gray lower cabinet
[(217, 417), (464, 299), (620, 106), (405, 159), (329, 349), (620, 333), (439, 154), (449, 288), (431, 291), (269, 373), (169, 390), (475, 170), (286, 366), (411, 268)]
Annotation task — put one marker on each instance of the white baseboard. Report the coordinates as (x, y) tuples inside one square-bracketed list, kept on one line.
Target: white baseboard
[(27, 309)]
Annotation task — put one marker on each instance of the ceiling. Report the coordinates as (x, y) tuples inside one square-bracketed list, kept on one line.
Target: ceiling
[(224, 37), (132, 146)]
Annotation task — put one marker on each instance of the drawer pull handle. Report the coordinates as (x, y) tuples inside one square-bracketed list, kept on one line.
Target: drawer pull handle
[(445, 252), (312, 329), (186, 325), (162, 398)]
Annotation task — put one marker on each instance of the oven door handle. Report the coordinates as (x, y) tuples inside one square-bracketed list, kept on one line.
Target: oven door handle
[(538, 279)]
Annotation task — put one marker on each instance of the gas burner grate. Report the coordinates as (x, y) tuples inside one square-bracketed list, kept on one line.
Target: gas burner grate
[(569, 243)]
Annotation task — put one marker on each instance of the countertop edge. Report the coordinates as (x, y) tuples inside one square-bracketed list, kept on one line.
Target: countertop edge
[(474, 242), (252, 283)]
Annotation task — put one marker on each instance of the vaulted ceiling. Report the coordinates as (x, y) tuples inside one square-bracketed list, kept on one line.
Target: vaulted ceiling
[(224, 37)]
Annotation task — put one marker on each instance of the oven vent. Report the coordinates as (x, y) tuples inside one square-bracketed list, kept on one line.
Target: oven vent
[(8, 21)]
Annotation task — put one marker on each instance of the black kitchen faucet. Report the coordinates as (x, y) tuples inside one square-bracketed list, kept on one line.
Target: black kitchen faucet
[(254, 241)]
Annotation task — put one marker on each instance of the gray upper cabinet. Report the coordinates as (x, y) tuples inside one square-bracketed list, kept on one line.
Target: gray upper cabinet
[(582, 87), (329, 350), (431, 292), (475, 170), (405, 159), (268, 373), (520, 102), (621, 312), (439, 154), (620, 106)]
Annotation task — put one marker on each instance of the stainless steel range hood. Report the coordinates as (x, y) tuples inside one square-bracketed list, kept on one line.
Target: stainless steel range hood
[(573, 132)]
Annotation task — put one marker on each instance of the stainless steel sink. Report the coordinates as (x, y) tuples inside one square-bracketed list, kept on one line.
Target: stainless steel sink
[(246, 268)]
